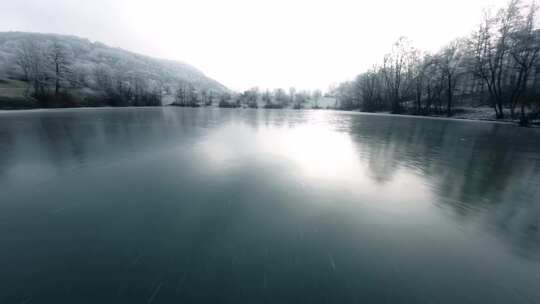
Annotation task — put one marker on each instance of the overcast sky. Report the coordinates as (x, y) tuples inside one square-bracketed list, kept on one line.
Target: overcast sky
[(243, 43)]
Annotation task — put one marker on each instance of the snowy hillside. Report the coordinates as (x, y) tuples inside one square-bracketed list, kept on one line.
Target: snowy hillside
[(87, 57)]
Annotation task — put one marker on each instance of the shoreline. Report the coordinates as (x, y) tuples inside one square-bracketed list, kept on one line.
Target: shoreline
[(457, 117)]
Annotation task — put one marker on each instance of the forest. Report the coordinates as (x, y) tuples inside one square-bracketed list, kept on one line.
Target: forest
[(51, 71), (496, 66)]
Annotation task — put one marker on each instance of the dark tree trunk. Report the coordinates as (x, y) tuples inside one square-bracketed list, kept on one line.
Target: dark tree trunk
[(524, 121), (449, 104), (57, 84), (501, 110)]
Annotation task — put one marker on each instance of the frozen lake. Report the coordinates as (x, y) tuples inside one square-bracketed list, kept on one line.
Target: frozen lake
[(163, 205)]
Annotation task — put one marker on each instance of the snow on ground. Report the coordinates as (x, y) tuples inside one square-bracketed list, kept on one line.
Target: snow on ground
[(476, 113)]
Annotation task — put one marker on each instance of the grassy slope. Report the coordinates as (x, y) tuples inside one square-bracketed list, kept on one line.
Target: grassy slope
[(12, 95), (12, 88)]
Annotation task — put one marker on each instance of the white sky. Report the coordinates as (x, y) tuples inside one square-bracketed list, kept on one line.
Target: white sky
[(308, 44)]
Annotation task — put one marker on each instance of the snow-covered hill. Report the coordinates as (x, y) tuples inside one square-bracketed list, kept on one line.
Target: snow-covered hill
[(86, 57)]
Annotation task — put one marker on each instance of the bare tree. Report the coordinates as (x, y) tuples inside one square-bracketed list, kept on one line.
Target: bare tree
[(292, 93), (192, 96), (524, 51), (60, 61), (490, 47), (419, 80), (31, 62), (225, 100), (434, 87), (204, 96), (368, 90), (317, 95), (253, 97), (267, 98), (300, 99), (499, 61), (210, 98), (180, 97), (345, 95), (281, 97), (449, 61), (396, 69), (24, 58)]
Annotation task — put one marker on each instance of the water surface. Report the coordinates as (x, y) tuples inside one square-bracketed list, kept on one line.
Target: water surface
[(164, 205)]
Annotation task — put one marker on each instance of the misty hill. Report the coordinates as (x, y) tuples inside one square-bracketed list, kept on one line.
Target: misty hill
[(93, 70)]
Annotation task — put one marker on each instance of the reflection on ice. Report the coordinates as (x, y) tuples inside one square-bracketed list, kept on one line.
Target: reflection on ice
[(318, 151), (210, 205)]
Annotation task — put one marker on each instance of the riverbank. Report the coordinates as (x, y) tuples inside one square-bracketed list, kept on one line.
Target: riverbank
[(483, 114)]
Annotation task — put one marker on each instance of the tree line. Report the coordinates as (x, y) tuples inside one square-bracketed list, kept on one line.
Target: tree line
[(54, 82), (497, 65), (271, 99)]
